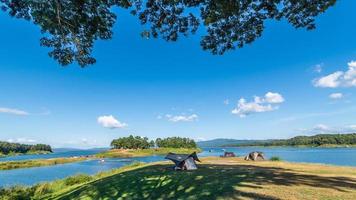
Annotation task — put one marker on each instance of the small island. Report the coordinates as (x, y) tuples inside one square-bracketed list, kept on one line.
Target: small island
[(9, 149), (131, 146), (136, 146)]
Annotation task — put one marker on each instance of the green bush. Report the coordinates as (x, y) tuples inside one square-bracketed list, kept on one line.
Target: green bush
[(80, 178), (42, 189), (275, 158), (16, 192)]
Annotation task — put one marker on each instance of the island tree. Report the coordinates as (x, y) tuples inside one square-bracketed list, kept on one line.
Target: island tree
[(131, 142), (176, 142), (7, 148)]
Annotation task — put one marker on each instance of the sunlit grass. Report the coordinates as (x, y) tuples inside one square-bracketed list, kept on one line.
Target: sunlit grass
[(54, 188), (223, 178), (275, 158)]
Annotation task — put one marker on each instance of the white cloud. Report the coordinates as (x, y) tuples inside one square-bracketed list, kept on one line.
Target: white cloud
[(82, 143), (13, 111), (22, 140), (258, 105), (199, 139), (86, 141), (322, 128), (302, 116), (352, 127), (226, 102), (338, 78), (271, 97), (330, 81), (245, 108), (318, 68), (336, 96), (109, 121), (182, 118)]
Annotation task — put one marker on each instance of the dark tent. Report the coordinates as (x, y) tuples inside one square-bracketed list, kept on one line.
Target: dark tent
[(183, 161), (256, 155), (228, 154)]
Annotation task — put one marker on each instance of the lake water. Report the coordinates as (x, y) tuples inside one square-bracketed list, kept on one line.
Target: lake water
[(29, 176), (331, 156)]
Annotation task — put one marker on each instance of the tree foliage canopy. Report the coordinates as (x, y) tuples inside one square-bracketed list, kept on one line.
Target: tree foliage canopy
[(315, 140), (131, 142), (137, 142), (70, 27), (176, 142), (7, 147)]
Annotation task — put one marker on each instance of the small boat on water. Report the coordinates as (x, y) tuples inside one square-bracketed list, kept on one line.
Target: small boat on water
[(101, 160)]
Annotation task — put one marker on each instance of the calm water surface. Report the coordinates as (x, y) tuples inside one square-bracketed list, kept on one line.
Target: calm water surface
[(30, 176), (331, 156)]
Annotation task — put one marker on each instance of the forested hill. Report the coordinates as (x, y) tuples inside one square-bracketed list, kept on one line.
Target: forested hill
[(9, 148), (315, 140), (219, 142)]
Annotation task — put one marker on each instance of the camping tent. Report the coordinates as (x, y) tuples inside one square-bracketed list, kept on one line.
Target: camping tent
[(228, 154), (256, 155), (183, 161)]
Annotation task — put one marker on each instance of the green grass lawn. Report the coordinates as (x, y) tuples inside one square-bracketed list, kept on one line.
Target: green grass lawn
[(119, 153), (221, 178)]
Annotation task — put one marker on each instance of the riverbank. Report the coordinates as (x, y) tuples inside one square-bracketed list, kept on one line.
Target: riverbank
[(216, 178), (126, 153), (27, 153), (39, 162)]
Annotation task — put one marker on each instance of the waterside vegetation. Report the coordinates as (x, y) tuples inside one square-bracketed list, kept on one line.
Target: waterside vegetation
[(39, 162), (320, 140), (8, 148)]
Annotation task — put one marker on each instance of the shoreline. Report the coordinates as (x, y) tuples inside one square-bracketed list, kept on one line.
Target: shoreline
[(11, 165), (24, 154)]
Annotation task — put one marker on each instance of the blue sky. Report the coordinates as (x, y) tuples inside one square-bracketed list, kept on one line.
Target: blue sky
[(158, 89)]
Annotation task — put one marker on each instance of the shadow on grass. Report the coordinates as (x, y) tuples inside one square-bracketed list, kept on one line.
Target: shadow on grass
[(208, 182)]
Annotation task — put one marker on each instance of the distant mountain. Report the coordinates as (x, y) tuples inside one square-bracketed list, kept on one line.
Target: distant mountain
[(65, 149), (314, 140), (224, 142)]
